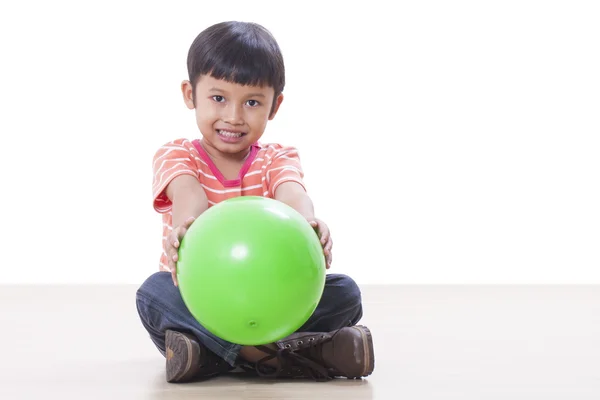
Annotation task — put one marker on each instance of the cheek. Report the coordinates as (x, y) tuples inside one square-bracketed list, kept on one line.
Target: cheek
[(258, 120), (205, 115)]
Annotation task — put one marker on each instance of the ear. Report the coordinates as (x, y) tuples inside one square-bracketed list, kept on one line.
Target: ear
[(276, 106), (188, 94)]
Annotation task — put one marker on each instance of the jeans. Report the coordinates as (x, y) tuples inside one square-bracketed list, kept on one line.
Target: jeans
[(161, 308)]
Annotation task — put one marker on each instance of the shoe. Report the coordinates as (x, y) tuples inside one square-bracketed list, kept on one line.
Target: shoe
[(187, 359), (346, 352)]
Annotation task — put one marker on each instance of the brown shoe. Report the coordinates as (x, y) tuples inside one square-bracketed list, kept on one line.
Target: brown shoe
[(187, 359), (347, 352)]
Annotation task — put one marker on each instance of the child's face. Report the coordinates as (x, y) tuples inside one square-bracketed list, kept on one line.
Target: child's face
[(230, 116)]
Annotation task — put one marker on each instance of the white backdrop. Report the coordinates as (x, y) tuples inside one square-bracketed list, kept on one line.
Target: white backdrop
[(443, 142)]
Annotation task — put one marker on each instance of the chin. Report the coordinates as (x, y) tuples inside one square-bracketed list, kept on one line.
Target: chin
[(232, 148)]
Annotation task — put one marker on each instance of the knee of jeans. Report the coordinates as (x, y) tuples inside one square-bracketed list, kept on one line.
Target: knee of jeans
[(148, 294), (350, 290), (154, 284)]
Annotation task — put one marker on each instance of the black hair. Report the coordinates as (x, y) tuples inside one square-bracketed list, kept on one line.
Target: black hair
[(240, 52)]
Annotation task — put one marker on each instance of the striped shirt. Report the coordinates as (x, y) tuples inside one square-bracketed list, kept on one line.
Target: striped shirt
[(266, 167)]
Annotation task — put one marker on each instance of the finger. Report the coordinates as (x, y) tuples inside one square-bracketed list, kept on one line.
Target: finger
[(324, 233), (174, 277), (170, 265), (180, 231), (180, 234), (172, 258), (174, 238), (188, 222), (328, 246)]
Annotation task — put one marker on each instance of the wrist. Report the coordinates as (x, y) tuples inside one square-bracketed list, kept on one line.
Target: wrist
[(304, 206), (188, 205)]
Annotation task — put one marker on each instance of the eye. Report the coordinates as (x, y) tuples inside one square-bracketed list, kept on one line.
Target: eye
[(253, 103), (218, 99)]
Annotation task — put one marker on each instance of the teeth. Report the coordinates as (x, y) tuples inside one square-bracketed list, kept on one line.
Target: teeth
[(230, 134)]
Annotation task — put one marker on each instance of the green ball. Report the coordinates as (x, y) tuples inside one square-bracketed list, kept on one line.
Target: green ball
[(251, 270)]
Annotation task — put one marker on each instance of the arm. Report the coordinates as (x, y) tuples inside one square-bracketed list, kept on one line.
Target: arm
[(285, 184), (188, 198), (189, 201), (294, 195), (176, 189)]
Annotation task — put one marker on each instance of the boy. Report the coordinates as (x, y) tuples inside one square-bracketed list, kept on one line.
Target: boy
[(236, 79)]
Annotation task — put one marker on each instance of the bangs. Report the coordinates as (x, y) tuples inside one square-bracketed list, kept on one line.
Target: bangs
[(245, 54), (244, 68)]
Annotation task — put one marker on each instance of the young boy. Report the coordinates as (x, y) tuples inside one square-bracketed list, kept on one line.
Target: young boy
[(236, 79)]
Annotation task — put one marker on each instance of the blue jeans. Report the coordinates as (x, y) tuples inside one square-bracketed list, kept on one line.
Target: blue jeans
[(161, 308)]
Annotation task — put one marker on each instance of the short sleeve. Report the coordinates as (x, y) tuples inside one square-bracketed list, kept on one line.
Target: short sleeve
[(170, 161), (284, 166)]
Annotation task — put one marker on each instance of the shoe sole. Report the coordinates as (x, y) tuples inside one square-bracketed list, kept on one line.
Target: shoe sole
[(183, 355), (367, 340)]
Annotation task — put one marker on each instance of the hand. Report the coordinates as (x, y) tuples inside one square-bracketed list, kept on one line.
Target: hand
[(323, 232), (172, 246)]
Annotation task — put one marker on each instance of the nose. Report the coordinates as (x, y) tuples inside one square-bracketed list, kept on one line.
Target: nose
[(233, 114)]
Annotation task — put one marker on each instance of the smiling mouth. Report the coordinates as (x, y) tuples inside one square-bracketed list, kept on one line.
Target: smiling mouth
[(229, 134)]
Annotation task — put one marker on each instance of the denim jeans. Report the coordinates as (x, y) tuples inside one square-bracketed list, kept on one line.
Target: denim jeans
[(161, 308)]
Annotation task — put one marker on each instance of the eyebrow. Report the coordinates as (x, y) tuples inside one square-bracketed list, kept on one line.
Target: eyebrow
[(249, 94)]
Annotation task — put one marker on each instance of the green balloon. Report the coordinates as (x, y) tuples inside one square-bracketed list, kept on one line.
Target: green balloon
[(251, 270)]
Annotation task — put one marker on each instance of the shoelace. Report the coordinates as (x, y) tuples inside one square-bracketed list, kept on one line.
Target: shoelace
[(288, 360)]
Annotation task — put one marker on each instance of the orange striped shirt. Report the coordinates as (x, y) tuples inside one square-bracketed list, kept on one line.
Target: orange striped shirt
[(266, 167)]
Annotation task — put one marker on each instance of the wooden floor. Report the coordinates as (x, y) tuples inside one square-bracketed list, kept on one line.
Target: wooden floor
[(431, 342)]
